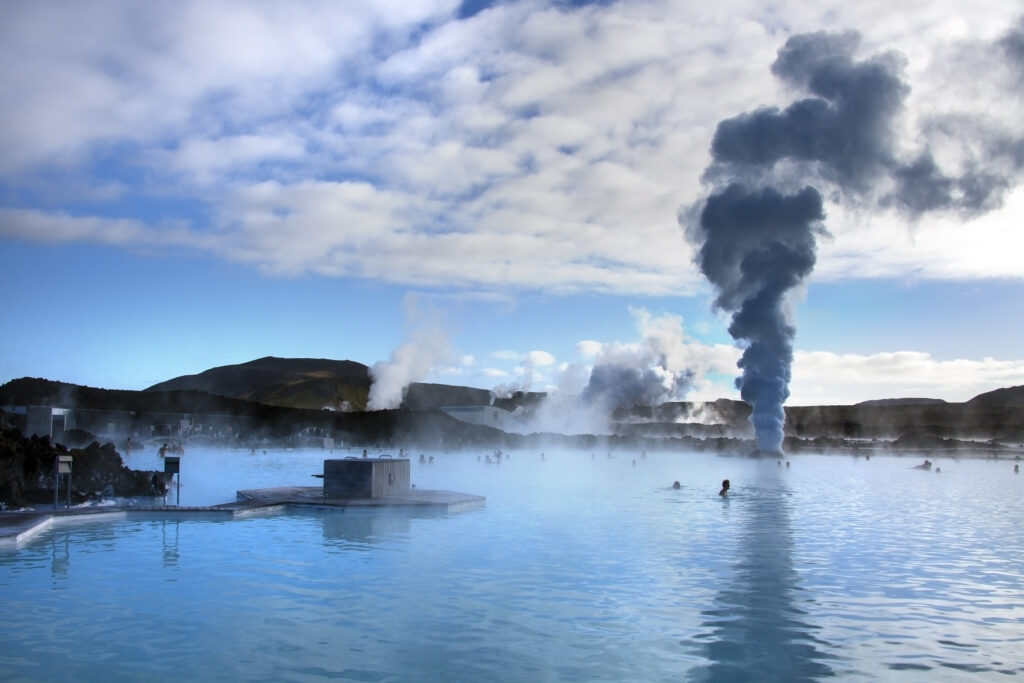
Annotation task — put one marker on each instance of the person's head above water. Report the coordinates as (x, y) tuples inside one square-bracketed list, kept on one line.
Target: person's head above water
[(675, 484), (725, 487)]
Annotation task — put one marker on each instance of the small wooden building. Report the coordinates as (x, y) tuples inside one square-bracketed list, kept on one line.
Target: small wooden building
[(366, 477)]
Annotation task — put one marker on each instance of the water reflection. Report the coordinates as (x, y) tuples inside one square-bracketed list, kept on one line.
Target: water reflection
[(169, 535), (756, 629), (60, 557), (368, 527)]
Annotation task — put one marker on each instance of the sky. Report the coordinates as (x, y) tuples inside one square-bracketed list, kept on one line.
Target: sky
[(493, 194)]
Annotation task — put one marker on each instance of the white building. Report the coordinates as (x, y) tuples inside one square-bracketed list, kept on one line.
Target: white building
[(488, 416), (48, 421)]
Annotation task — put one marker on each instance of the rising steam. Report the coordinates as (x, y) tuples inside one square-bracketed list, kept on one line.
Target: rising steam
[(656, 369), (647, 373), (427, 346), (756, 232), (527, 372)]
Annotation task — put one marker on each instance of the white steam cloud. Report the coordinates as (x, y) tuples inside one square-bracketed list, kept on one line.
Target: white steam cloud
[(658, 368), (427, 347), (527, 375)]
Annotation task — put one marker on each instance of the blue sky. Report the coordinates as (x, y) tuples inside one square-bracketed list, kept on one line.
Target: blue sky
[(192, 184)]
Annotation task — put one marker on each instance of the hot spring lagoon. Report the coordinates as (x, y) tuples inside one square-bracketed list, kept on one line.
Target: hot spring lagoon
[(582, 566)]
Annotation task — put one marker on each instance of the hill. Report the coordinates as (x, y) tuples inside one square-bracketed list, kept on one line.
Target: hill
[(1010, 396), (232, 421), (902, 402), (310, 383), (281, 396), (33, 391), (318, 383)]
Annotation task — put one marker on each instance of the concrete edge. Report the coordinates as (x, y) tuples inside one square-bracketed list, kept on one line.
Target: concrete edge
[(13, 535)]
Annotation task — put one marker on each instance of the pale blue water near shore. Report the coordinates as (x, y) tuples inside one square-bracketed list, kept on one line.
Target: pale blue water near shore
[(576, 569)]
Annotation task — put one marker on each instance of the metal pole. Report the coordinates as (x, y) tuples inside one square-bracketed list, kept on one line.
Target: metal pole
[(69, 492)]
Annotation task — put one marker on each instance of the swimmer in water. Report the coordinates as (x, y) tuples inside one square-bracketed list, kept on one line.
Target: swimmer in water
[(725, 488), (675, 484)]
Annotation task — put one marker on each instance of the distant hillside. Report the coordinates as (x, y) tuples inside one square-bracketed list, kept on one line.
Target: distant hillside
[(251, 423), (1010, 396), (32, 391), (310, 383), (317, 383), (285, 395), (901, 402)]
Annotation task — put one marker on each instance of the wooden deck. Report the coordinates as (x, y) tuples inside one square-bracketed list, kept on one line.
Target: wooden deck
[(445, 501), (17, 527)]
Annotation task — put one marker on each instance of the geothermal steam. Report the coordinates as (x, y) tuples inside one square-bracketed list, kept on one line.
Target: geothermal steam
[(413, 360), (756, 231), (527, 375), (649, 372)]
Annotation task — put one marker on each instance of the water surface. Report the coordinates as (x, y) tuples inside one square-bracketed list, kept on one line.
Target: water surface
[(581, 567)]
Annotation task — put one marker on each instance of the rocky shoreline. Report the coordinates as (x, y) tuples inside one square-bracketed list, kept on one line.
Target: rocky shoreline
[(98, 472)]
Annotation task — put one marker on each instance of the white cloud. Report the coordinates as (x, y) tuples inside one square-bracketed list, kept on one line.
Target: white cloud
[(56, 227), (819, 377), (526, 147), (206, 161), (823, 378), (588, 348), (539, 359)]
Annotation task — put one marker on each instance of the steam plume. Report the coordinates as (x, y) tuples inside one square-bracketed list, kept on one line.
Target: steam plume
[(411, 361), (648, 373), (756, 232), (527, 375), (758, 245)]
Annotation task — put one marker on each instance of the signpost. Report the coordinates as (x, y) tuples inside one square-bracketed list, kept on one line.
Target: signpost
[(61, 465), (172, 466)]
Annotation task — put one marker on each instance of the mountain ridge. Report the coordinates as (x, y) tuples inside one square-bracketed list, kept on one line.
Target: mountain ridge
[(309, 383), (312, 389)]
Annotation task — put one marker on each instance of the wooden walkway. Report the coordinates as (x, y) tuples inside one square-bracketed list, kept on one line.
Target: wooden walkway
[(446, 501), (17, 527)]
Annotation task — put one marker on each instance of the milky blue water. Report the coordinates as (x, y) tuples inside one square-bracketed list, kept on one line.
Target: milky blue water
[(576, 569)]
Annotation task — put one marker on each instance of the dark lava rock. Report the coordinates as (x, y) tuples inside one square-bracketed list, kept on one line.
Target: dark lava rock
[(26, 472), (97, 469)]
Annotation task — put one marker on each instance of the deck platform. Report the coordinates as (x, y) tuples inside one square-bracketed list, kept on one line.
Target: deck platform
[(444, 501), (17, 527)]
